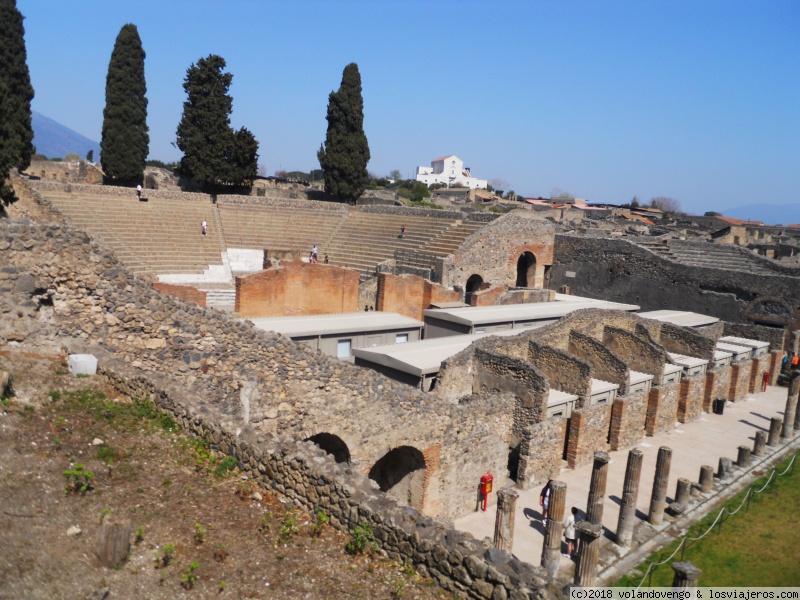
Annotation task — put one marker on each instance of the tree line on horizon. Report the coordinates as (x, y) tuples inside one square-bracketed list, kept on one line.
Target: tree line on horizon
[(217, 157)]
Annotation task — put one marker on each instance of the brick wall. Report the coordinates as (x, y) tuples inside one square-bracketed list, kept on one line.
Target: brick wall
[(662, 408), (628, 415), (410, 294), (297, 288), (588, 433), (184, 292), (739, 381), (718, 383), (690, 398)]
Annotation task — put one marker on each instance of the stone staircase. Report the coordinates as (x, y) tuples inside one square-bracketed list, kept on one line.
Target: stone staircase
[(708, 255)]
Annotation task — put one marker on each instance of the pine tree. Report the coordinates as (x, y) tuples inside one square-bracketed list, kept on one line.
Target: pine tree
[(213, 154), (125, 142), (345, 153), (16, 93)]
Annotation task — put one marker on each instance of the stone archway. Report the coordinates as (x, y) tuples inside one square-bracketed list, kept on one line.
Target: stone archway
[(474, 284), (770, 311), (526, 270), (400, 473), (333, 445)]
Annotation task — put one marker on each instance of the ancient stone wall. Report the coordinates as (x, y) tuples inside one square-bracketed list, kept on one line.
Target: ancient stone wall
[(620, 271), (681, 340), (184, 292), (311, 478), (410, 294), (493, 251), (690, 398), (566, 373), (628, 415), (662, 408), (79, 171), (739, 380), (297, 288), (541, 451), (641, 354), (778, 338), (604, 363), (588, 433)]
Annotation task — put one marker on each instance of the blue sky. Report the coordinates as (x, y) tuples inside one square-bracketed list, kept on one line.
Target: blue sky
[(698, 101)]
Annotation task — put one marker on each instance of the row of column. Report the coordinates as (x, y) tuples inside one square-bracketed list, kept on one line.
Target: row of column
[(591, 529)]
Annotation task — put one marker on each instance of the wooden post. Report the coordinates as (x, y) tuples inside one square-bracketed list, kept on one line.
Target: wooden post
[(114, 542)]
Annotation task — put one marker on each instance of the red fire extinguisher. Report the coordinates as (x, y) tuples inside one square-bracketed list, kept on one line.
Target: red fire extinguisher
[(765, 381), (486, 488)]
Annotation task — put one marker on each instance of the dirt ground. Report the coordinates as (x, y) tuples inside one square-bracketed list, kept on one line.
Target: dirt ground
[(230, 538)]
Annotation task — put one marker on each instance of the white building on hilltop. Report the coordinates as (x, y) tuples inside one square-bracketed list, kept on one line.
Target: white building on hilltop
[(449, 170)]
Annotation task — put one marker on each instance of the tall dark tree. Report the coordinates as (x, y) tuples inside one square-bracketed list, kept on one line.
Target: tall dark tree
[(213, 154), (16, 93), (345, 153), (125, 142)]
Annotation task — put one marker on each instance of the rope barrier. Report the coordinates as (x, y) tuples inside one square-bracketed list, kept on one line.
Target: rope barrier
[(687, 541)]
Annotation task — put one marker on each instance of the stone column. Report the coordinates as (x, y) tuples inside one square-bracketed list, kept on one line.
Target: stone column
[(683, 492), (504, 519), (743, 458), (551, 551), (686, 574), (630, 494), (789, 414), (775, 425), (658, 500), (597, 489), (706, 478), (760, 443), (586, 571), (725, 468)]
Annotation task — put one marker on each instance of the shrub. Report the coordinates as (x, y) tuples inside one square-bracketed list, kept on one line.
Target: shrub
[(79, 480), (362, 540)]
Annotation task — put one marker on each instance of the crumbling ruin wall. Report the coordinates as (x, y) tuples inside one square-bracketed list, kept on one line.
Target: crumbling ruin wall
[(588, 433), (604, 363), (680, 340), (718, 383), (628, 416), (566, 373), (641, 354), (541, 452), (662, 408), (778, 338), (739, 381), (185, 292), (690, 398), (623, 272)]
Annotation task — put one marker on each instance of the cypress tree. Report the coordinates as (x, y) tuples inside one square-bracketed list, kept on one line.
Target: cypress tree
[(16, 93), (345, 153), (125, 142), (213, 154)]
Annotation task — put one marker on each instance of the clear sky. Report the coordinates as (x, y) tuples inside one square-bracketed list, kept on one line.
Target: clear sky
[(695, 100)]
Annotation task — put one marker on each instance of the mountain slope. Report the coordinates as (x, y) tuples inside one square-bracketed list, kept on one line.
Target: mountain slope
[(54, 140)]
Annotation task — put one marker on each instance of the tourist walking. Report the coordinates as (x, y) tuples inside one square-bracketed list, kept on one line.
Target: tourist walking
[(139, 191), (570, 533), (403, 231), (314, 253), (544, 500), (204, 226)]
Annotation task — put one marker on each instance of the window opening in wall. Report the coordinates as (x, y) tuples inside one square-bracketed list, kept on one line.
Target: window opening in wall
[(474, 284), (401, 338), (401, 475), (343, 348), (566, 438), (526, 270)]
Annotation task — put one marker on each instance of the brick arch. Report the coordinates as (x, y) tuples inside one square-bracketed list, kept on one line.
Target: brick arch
[(526, 269), (401, 473), (769, 309)]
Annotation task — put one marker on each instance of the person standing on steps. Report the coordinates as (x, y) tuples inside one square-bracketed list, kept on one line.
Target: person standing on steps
[(139, 191), (204, 226), (314, 253), (403, 232)]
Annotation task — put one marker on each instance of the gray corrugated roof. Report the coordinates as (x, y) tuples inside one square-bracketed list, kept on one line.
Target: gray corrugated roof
[(337, 323)]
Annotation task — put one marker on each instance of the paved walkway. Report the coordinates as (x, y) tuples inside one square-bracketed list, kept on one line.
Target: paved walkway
[(693, 444)]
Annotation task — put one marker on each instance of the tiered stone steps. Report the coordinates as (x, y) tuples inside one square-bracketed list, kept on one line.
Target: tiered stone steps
[(450, 239), (278, 228), (705, 254), (366, 239), (158, 237)]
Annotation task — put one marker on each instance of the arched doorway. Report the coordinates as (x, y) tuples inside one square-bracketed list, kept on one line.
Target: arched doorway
[(474, 284), (333, 445), (526, 270), (401, 474)]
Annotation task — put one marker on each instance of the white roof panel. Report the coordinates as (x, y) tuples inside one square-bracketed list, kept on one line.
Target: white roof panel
[(687, 361), (680, 317), (638, 377), (732, 339), (734, 348), (308, 325)]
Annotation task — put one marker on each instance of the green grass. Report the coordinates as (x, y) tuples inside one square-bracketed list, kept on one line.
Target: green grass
[(755, 548), (121, 416)]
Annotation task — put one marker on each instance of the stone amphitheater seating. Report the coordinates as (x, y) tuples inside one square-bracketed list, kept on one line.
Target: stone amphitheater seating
[(706, 254), (162, 236)]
